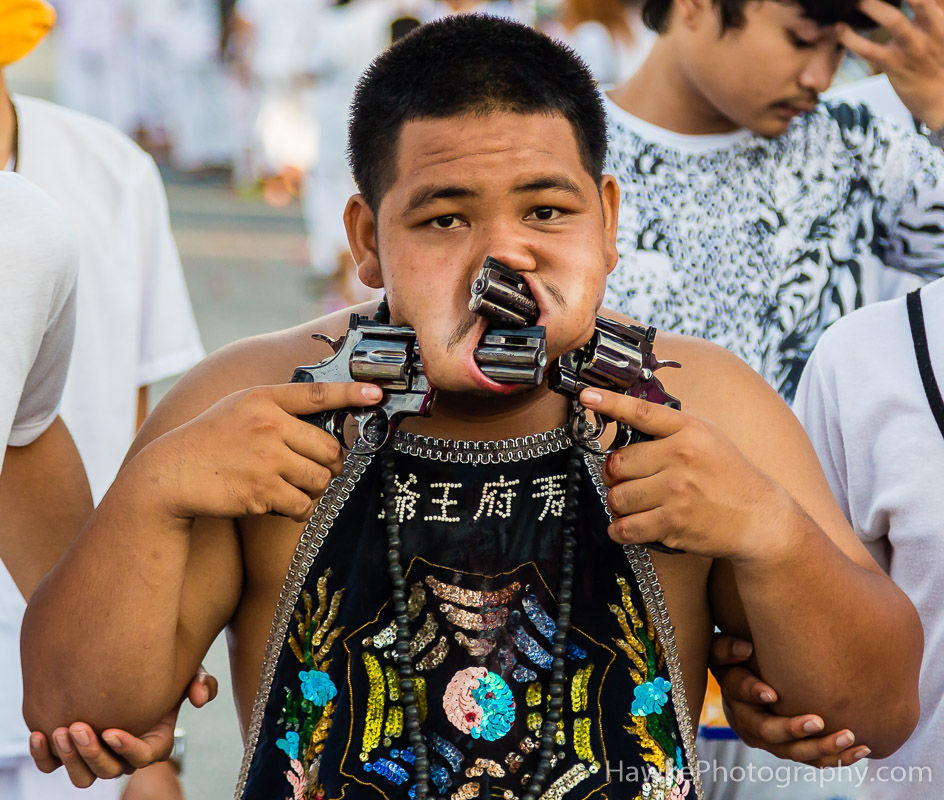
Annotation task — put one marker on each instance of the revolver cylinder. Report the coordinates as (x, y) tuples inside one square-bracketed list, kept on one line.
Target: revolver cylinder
[(513, 356), (502, 296)]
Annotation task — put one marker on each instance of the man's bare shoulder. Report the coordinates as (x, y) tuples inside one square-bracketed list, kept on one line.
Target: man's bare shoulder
[(262, 360), (712, 382)]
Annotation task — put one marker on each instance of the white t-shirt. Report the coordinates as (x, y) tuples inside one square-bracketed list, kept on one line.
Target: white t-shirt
[(760, 244), (38, 261), (134, 321), (864, 408)]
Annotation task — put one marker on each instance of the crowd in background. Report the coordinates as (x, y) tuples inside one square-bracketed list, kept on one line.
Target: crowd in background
[(263, 88)]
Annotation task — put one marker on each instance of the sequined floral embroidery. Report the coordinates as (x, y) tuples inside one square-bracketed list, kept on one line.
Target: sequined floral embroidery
[(651, 719), (309, 706), (650, 697)]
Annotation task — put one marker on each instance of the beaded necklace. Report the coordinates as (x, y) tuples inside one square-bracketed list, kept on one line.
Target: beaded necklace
[(401, 618)]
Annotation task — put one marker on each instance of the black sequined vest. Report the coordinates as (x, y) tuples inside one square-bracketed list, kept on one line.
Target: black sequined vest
[(481, 527)]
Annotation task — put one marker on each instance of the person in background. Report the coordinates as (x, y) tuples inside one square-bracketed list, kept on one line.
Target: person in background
[(134, 324), (879, 434), (607, 34), (44, 495), (752, 214)]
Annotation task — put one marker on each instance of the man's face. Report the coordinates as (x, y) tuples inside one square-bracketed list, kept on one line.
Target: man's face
[(763, 74), (510, 186)]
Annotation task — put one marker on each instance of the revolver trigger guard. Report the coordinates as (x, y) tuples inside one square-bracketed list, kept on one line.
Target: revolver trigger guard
[(373, 432), (587, 435)]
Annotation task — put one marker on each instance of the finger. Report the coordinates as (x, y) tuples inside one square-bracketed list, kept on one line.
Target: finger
[(291, 502), (879, 56), (644, 528), (739, 684), (309, 476), (636, 496), (42, 754), (309, 398), (315, 445), (203, 688), (155, 745), (843, 759), (820, 751), (728, 650), (760, 728), (102, 763), (639, 460), (890, 18), (80, 775), (656, 420)]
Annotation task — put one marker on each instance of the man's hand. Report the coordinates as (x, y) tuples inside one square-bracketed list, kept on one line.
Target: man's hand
[(690, 487), (746, 705), (88, 757), (249, 454), (913, 59)]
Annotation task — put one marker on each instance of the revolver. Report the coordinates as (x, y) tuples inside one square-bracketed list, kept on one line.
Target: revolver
[(386, 355), (619, 358), (516, 352)]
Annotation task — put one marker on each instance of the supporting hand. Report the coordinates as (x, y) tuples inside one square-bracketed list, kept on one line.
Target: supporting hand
[(746, 705), (689, 487), (88, 757)]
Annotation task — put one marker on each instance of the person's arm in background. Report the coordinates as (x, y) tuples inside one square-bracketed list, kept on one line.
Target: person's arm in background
[(44, 502)]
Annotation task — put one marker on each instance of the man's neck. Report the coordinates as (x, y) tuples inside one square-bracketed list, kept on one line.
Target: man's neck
[(7, 125), (489, 418), (661, 94)]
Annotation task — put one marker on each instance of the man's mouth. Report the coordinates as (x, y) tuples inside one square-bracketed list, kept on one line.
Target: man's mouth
[(795, 108), (512, 349)]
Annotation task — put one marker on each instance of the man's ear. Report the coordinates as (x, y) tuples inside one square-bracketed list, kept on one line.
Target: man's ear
[(691, 12), (610, 199), (361, 230)]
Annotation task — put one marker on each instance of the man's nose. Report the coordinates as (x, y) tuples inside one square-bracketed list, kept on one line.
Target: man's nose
[(817, 75), (510, 244)]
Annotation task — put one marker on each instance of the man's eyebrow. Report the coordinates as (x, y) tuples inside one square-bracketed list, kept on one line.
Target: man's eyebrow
[(427, 194), (559, 183)]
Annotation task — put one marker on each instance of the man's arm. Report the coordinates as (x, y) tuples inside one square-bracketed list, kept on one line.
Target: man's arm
[(735, 478), (44, 502), (118, 629)]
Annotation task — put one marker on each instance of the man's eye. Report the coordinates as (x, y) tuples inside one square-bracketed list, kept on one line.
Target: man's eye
[(546, 213), (445, 222), (799, 42)]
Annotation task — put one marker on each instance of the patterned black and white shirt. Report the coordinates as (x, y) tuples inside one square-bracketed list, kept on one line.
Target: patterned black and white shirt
[(760, 244)]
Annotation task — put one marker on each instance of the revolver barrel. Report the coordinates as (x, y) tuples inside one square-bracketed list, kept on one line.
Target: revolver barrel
[(502, 296)]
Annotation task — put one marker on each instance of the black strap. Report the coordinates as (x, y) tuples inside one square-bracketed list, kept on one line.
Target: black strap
[(931, 389)]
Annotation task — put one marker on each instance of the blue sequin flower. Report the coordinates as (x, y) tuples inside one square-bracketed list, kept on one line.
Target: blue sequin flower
[(317, 687), (289, 745), (498, 708), (650, 697)]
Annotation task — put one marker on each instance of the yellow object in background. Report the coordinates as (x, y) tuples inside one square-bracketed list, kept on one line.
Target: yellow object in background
[(23, 24), (713, 724)]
